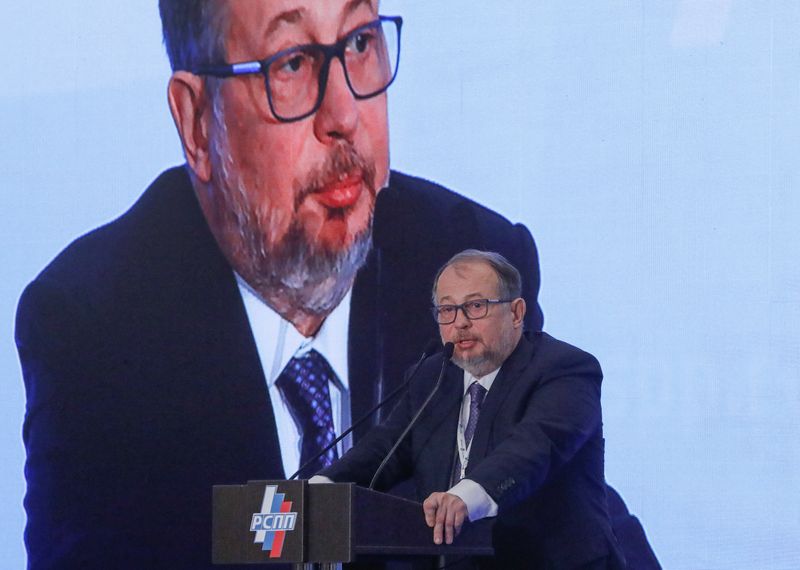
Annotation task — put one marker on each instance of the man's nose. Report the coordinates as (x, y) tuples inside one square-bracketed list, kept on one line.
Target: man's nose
[(462, 322), (337, 116)]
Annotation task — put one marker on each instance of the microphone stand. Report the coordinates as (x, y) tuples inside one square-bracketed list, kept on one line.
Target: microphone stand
[(448, 353), (430, 349)]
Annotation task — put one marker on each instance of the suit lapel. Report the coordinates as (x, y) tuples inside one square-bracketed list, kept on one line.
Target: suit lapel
[(443, 423), (501, 388)]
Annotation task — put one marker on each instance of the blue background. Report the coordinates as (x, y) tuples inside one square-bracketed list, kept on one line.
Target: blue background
[(651, 147)]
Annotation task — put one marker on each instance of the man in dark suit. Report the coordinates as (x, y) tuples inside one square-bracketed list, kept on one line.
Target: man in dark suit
[(515, 430), (150, 366)]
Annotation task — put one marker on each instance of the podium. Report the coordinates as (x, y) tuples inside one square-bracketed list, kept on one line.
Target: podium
[(266, 522)]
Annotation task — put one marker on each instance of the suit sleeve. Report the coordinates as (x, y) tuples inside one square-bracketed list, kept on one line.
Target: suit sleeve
[(561, 412), (74, 517)]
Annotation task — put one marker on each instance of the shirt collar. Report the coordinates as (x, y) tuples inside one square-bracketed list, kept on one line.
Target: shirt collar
[(486, 381), (271, 329)]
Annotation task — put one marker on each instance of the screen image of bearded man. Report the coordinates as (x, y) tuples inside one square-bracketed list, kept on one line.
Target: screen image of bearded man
[(160, 351)]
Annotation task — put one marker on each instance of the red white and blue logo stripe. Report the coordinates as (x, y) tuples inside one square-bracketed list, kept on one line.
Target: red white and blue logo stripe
[(273, 521)]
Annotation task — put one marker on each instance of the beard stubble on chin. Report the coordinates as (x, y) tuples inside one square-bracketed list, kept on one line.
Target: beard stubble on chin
[(314, 275), (492, 357), (305, 274), (479, 365)]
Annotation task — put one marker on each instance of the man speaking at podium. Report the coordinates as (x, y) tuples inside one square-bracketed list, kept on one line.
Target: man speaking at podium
[(515, 431)]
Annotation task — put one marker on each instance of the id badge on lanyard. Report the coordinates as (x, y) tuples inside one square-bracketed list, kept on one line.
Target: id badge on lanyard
[(463, 449)]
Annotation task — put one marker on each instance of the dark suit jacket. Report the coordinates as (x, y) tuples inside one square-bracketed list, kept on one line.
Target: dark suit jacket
[(144, 387), (537, 451)]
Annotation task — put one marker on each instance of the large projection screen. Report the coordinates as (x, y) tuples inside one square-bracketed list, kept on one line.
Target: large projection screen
[(652, 148)]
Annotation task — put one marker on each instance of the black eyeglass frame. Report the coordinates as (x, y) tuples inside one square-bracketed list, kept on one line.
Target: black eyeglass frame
[(435, 309), (330, 51)]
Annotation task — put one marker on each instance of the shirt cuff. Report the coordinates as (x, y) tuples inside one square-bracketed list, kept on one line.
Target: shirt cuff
[(479, 503), (320, 479)]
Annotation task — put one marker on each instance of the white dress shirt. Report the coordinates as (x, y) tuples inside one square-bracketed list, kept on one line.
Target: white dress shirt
[(277, 342), (479, 503)]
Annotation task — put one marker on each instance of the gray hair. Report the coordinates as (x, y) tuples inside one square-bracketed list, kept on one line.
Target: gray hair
[(194, 32), (508, 278)]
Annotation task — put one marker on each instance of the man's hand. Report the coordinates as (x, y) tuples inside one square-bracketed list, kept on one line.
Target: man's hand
[(445, 513)]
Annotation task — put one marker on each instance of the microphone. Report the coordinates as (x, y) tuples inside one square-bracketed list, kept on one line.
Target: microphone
[(448, 353), (430, 348)]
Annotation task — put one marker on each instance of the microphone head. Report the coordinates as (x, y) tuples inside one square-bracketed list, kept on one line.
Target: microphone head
[(449, 347), (431, 348)]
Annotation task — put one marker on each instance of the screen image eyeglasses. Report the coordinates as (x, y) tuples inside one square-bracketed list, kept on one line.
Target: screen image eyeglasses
[(296, 77)]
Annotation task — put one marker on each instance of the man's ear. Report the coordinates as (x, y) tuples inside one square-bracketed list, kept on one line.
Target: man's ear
[(518, 309), (191, 111)]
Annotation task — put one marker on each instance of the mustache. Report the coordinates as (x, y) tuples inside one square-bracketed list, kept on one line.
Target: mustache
[(344, 159), (460, 337)]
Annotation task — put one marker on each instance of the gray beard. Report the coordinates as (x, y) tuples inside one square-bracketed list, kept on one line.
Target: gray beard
[(309, 277), (480, 366)]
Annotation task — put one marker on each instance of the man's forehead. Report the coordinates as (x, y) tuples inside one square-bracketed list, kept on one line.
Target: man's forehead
[(467, 279), (472, 269), (269, 16)]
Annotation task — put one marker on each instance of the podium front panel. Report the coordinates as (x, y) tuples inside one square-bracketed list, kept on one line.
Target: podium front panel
[(260, 522)]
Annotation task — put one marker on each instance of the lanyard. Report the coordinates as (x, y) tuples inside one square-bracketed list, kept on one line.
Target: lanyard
[(463, 449)]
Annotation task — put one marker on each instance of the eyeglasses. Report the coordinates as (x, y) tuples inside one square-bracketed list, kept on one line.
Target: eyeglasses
[(296, 77), (473, 310)]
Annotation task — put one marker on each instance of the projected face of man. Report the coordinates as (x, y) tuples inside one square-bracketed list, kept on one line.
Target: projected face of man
[(291, 203)]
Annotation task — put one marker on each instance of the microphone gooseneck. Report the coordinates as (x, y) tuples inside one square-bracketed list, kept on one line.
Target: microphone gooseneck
[(448, 353), (430, 349)]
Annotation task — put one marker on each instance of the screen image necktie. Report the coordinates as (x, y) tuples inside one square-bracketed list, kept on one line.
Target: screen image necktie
[(304, 386)]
